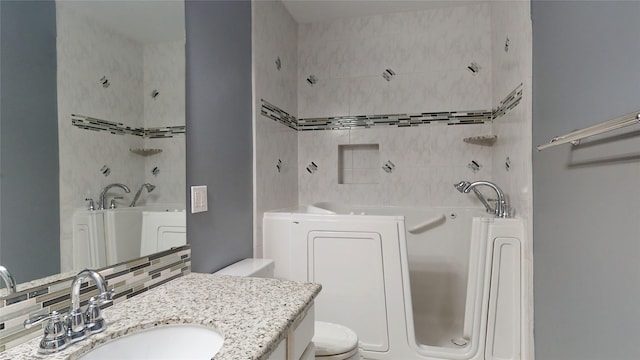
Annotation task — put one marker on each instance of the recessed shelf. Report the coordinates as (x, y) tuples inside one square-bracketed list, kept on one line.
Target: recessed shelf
[(145, 152), (358, 163)]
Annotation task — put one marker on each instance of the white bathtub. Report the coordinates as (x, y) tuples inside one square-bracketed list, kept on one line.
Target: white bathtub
[(407, 280), (105, 237)]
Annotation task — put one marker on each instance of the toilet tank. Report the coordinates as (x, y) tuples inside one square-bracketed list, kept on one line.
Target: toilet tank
[(249, 267)]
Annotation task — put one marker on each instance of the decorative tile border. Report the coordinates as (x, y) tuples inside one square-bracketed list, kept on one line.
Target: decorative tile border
[(95, 124), (275, 113), (127, 279), (164, 132), (509, 102), (399, 120)]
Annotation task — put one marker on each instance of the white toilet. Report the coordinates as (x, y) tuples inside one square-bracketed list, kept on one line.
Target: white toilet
[(332, 341)]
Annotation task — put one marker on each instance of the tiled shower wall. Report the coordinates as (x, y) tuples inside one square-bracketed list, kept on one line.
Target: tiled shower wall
[(512, 20), (87, 51), (276, 153), (428, 161), (164, 71), (429, 51)]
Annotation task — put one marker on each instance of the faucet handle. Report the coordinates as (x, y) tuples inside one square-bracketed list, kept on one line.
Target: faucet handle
[(39, 319), (112, 204), (92, 205), (104, 298), (93, 319), (55, 335)]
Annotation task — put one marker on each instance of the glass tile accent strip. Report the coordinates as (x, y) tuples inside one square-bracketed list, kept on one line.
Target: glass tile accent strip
[(275, 113), (398, 120), (95, 124)]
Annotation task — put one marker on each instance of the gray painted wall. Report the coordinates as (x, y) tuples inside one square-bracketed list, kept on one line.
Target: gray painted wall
[(29, 205), (586, 199), (219, 138)]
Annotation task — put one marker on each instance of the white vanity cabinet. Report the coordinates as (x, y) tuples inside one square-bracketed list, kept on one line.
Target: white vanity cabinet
[(297, 345)]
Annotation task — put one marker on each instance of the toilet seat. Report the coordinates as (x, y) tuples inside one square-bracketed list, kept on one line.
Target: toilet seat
[(334, 342)]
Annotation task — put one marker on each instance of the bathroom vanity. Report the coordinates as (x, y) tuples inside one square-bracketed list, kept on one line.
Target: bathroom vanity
[(259, 318)]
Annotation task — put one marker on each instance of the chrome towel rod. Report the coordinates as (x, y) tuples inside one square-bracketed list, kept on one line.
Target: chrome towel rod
[(575, 136)]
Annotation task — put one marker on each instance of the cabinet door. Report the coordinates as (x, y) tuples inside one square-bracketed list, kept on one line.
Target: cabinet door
[(280, 353), (349, 267), (301, 334), (309, 353), (298, 345)]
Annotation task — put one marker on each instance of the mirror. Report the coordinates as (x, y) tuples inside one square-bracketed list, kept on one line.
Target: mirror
[(122, 62)]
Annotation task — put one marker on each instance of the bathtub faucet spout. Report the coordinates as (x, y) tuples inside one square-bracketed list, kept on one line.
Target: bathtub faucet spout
[(501, 209)]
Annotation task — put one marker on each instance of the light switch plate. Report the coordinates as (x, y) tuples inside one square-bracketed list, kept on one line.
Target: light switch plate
[(198, 199)]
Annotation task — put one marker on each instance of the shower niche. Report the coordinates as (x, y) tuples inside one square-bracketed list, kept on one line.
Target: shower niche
[(358, 164)]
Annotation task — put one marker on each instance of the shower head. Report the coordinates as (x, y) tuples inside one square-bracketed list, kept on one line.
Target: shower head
[(150, 187), (461, 186)]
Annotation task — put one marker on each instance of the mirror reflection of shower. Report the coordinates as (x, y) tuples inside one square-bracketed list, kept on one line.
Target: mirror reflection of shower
[(137, 122)]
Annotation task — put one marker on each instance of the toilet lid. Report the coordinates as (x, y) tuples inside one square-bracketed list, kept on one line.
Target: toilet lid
[(333, 339)]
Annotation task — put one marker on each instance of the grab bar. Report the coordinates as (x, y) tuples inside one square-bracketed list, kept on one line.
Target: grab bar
[(575, 136), (426, 225)]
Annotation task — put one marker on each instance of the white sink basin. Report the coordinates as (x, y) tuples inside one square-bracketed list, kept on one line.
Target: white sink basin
[(183, 341)]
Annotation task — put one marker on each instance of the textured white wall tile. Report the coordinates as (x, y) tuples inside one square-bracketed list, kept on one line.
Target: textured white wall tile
[(448, 148), (428, 161), (365, 136), (417, 93), (365, 194), (171, 181), (510, 68), (365, 157), (367, 95), (407, 186), (164, 71), (429, 51), (320, 147), (328, 97), (274, 36), (331, 60), (406, 147)]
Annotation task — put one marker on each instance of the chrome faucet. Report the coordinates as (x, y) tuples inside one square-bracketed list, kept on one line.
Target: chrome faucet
[(501, 210), (149, 188), (80, 325), (8, 279), (61, 331), (102, 202)]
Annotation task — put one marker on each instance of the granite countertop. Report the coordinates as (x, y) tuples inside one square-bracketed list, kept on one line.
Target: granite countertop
[(253, 314)]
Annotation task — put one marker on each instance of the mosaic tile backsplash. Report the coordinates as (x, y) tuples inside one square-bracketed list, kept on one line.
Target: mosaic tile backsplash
[(126, 279)]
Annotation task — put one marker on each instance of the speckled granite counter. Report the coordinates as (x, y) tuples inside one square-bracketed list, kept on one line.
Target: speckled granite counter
[(253, 314)]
